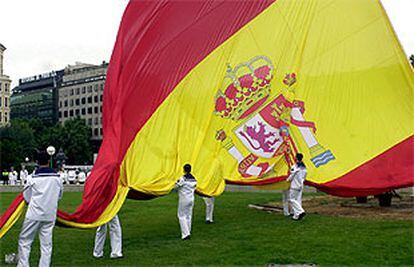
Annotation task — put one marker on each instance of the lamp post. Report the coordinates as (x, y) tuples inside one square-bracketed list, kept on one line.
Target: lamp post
[(51, 151)]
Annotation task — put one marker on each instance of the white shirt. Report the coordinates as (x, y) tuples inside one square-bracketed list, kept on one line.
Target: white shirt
[(23, 175), (186, 187), (13, 175), (43, 191), (81, 177), (297, 177)]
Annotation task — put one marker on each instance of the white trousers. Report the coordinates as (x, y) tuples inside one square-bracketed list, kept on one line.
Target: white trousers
[(185, 214), (27, 235), (209, 201), (286, 208), (115, 236), (296, 202)]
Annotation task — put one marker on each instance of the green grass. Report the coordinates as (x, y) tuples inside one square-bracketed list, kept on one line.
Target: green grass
[(240, 236)]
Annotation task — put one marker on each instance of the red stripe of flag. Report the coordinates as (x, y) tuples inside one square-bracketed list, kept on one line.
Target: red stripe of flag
[(11, 209), (380, 174)]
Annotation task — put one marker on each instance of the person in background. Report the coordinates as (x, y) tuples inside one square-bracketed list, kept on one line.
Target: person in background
[(42, 192), (115, 235), (63, 175), (81, 177), (23, 175), (209, 201), (296, 178), (186, 186), (12, 176)]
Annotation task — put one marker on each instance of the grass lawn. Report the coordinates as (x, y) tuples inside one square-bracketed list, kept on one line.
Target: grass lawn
[(239, 236)]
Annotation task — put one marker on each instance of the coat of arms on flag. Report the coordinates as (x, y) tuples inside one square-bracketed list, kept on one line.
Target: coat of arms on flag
[(264, 122)]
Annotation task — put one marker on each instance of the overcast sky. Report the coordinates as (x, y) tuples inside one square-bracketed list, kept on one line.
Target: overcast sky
[(45, 35)]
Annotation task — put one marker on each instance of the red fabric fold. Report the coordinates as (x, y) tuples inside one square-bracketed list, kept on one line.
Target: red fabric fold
[(11, 209)]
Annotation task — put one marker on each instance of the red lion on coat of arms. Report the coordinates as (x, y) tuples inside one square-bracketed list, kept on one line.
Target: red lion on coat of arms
[(265, 122)]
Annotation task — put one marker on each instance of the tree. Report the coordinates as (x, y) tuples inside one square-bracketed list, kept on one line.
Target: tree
[(17, 141), (23, 138), (76, 141)]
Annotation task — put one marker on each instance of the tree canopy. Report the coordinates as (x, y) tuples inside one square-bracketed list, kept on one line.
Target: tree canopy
[(23, 138)]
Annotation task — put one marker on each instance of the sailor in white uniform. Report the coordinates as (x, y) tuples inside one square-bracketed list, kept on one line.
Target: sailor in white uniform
[(13, 176), (186, 186), (296, 178), (23, 175), (42, 191), (209, 201), (115, 235)]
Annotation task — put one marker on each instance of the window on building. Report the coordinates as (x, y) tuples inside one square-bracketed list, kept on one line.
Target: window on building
[(101, 97), (6, 89), (95, 132), (71, 102), (83, 111), (96, 88), (90, 110), (96, 120), (65, 113), (6, 119), (83, 89), (60, 104), (1, 87), (78, 91), (77, 102), (95, 109), (100, 109), (102, 86), (90, 121), (77, 112), (71, 113), (96, 99), (83, 101), (90, 99), (100, 131), (66, 103), (71, 91), (6, 104), (90, 89)]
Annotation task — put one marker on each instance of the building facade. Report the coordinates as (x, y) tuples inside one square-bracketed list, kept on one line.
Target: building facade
[(37, 97), (4, 92), (81, 95)]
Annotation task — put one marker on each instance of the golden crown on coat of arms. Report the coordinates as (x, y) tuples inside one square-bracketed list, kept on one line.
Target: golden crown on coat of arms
[(245, 88)]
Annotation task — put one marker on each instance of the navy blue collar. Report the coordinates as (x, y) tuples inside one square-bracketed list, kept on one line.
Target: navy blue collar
[(42, 170)]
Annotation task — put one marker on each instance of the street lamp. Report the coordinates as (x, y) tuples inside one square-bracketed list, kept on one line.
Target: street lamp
[(51, 151)]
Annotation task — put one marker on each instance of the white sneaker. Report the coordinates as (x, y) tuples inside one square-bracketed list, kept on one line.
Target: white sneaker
[(116, 256)]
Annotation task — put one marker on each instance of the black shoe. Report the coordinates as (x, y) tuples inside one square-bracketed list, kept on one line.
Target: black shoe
[(187, 237), (209, 222), (303, 214)]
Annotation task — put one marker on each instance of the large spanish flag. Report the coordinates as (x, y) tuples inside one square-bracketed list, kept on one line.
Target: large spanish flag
[(236, 88)]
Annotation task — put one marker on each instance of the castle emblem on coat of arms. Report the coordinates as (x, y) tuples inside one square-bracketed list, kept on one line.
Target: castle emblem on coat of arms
[(265, 121)]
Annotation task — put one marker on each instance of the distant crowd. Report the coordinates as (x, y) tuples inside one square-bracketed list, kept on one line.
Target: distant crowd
[(70, 175)]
